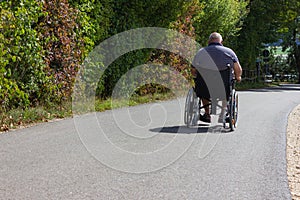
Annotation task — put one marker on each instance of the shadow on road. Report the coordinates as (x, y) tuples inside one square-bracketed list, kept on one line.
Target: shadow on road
[(201, 128)]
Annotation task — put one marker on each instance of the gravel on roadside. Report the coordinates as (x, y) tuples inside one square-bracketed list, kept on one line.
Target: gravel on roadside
[(293, 152)]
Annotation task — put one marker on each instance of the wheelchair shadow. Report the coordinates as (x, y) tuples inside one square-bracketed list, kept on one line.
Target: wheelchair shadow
[(201, 128)]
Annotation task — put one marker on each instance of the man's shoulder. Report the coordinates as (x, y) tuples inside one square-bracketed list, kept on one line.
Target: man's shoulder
[(227, 50), (215, 48)]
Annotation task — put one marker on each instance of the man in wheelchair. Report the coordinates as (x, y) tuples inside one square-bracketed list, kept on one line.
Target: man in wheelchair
[(209, 60)]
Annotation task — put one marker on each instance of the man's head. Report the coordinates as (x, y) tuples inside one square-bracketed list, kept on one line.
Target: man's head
[(215, 38)]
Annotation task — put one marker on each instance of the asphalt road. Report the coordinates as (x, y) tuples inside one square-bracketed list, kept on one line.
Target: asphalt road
[(145, 152)]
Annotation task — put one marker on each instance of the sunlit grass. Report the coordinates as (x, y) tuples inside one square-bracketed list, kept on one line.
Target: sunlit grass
[(108, 104), (18, 118)]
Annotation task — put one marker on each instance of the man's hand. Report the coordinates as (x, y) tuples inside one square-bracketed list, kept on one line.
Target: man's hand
[(238, 79), (237, 71)]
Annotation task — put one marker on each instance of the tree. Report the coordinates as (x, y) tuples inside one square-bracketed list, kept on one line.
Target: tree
[(290, 30), (260, 26), (223, 16)]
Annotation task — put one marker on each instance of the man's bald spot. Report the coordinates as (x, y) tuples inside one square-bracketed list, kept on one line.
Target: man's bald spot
[(215, 37)]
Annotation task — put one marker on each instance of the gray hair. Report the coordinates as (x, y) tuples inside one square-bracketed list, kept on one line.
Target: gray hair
[(215, 37)]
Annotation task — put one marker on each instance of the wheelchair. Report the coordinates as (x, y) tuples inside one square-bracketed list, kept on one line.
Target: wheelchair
[(229, 113)]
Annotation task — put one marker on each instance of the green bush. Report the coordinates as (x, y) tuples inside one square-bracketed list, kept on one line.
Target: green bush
[(11, 96), (21, 60), (128, 15), (94, 20)]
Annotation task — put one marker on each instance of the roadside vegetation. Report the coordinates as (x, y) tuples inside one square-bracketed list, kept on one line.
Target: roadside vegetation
[(20, 118), (44, 43)]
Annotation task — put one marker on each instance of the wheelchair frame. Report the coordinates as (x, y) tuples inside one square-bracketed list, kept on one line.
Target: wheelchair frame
[(193, 107)]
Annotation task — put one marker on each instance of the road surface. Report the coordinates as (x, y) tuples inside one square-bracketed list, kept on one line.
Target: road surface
[(145, 152)]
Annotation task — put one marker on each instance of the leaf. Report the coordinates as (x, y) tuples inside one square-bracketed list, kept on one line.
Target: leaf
[(14, 58)]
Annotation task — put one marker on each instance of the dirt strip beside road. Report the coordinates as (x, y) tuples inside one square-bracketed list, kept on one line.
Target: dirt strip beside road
[(293, 152)]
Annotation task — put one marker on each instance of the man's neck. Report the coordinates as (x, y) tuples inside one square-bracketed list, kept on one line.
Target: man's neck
[(215, 43)]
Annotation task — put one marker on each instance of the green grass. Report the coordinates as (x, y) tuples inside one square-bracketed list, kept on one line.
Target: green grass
[(18, 118), (255, 85), (108, 104), (258, 85)]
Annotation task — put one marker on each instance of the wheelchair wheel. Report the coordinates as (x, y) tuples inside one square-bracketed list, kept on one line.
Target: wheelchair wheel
[(191, 111), (236, 109), (233, 110)]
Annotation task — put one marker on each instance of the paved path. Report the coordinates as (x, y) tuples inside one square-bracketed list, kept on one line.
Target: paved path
[(150, 154)]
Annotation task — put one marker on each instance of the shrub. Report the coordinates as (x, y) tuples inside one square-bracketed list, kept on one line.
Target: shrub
[(63, 47), (21, 61)]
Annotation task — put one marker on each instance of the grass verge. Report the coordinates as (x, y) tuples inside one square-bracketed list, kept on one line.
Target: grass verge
[(20, 118), (255, 85)]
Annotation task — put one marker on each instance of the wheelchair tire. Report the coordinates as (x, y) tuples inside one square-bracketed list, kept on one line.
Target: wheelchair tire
[(191, 108), (233, 117), (235, 109)]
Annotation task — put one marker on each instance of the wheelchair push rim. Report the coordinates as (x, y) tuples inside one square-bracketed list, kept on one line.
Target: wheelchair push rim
[(233, 117), (191, 106)]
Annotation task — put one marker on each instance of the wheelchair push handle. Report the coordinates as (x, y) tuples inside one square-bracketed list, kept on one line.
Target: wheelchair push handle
[(232, 71)]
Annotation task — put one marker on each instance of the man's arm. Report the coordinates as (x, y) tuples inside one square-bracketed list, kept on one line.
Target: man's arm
[(237, 71)]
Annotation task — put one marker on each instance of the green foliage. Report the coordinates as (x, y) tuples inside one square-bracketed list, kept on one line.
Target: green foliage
[(21, 55), (268, 21), (128, 15), (184, 24), (260, 26), (11, 96), (290, 31), (135, 14), (94, 20), (223, 16)]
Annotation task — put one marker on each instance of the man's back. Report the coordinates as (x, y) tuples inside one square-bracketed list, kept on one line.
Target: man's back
[(215, 57)]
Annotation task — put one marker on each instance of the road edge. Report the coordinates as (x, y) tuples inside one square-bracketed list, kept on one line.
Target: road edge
[(293, 152)]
